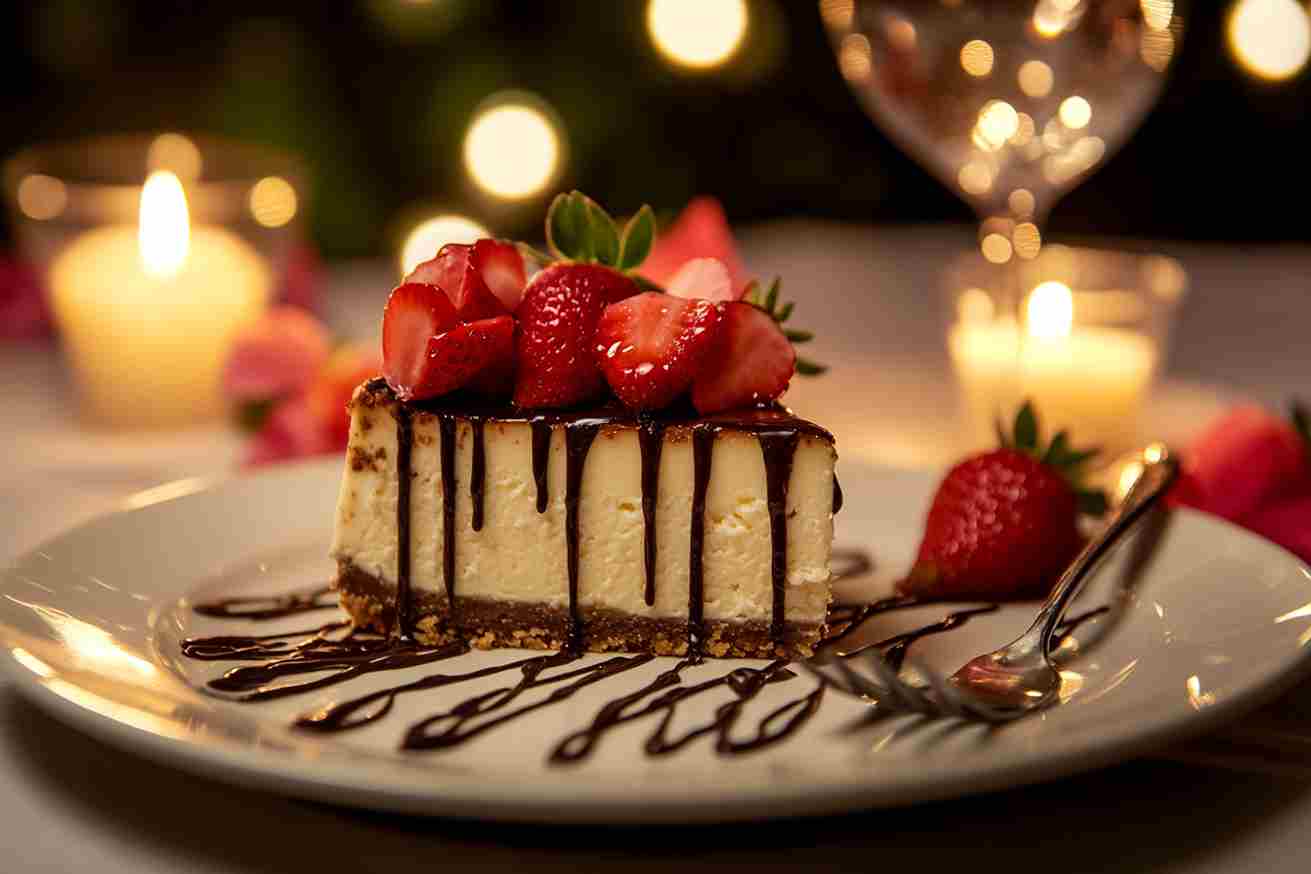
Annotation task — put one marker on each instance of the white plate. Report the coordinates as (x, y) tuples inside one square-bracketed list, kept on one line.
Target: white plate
[(1218, 622)]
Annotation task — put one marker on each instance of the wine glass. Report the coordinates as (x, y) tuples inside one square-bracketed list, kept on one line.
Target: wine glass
[(1009, 102)]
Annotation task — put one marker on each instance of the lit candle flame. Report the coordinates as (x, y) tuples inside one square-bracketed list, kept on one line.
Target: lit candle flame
[(1050, 311), (164, 230)]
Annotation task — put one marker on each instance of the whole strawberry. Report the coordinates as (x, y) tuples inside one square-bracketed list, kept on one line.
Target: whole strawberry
[(592, 259), (1004, 524)]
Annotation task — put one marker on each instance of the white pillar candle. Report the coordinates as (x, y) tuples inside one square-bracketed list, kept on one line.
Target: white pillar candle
[(1091, 380), (147, 312)]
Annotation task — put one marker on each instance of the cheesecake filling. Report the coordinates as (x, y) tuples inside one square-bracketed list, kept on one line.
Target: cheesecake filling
[(725, 521)]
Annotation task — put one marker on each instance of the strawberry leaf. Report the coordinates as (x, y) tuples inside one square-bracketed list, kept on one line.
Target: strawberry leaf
[(1059, 451), (785, 313), (799, 336), (1026, 429), (601, 231), (566, 227), (806, 367), (639, 236), (645, 284)]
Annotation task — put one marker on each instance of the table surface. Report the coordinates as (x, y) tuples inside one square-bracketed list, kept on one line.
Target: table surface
[(873, 296)]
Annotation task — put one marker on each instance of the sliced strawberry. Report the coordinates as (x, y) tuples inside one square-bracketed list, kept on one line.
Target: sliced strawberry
[(454, 270), (461, 355), (701, 231), (501, 267), (704, 279), (649, 347), (415, 313), (557, 320), (750, 363)]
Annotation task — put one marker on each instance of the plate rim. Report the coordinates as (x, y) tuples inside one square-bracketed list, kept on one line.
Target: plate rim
[(259, 767)]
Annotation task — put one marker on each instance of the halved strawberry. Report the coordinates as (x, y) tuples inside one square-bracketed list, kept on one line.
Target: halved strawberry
[(751, 362), (501, 267), (704, 279), (649, 347), (465, 353), (557, 320), (455, 271), (415, 312)]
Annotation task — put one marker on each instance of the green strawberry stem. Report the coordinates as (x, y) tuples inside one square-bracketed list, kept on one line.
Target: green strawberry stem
[(1070, 462), (769, 304), (579, 229)]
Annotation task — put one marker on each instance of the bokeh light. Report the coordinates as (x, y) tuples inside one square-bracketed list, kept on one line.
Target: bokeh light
[(42, 197), (855, 57), (429, 235), (1075, 112), (975, 178), (513, 148), (996, 248), (1021, 202), (1035, 78), (1027, 240), (837, 14), (1157, 13), (697, 34), (272, 202), (1270, 39), (998, 122), (176, 154), (976, 57)]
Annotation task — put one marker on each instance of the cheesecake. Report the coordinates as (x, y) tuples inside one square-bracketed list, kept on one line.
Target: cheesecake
[(563, 453), (595, 529)]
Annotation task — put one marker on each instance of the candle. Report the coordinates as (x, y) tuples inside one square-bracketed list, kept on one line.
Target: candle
[(147, 311), (1089, 379)]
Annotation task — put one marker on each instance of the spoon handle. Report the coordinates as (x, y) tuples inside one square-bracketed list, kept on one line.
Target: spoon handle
[(1160, 468)]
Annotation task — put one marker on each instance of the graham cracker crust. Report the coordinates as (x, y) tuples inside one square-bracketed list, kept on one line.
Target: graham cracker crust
[(488, 624)]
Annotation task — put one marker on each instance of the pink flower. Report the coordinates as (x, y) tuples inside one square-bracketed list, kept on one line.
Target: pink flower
[(701, 231), (302, 276), (292, 430), (24, 311), (336, 382), (276, 357)]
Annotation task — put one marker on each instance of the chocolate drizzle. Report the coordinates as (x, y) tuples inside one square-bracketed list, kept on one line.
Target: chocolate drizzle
[(837, 495), (650, 440), (404, 474), (778, 449), (477, 472), (541, 428), (268, 607), (578, 437), (446, 426), (703, 444), (338, 654)]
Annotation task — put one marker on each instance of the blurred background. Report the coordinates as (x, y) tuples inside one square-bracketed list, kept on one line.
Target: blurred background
[(377, 97)]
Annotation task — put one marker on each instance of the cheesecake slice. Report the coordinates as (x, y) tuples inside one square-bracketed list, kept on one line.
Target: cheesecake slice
[(588, 529)]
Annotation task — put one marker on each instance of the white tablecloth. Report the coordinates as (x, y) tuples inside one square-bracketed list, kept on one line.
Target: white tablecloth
[(872, 295)]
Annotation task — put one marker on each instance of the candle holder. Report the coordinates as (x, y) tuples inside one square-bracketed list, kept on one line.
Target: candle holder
[(1085, 344), (146, 313)]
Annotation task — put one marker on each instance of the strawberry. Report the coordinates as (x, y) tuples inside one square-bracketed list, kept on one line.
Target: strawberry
[(701, 231), (750, 364), (415, 312), (649, 347), (465, 353), (1287, 523), (1003, 523), (483, 280), (500, 266), (1245, 460), (557, 318), (336, 381), (704, 279)]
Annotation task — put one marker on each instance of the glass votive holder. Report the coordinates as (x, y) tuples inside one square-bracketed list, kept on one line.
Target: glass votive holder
[(1082, 333), (154, 249)]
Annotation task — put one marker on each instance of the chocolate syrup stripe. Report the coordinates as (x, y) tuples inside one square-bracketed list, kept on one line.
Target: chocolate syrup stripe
[(345, 657), (265, 607)]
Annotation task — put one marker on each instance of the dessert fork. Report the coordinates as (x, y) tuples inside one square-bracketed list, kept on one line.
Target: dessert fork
[(1019, 678)]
